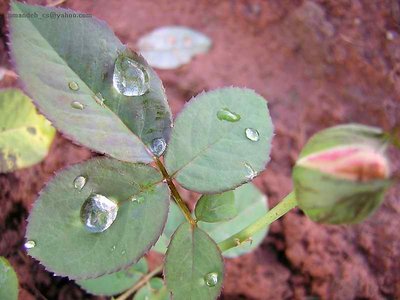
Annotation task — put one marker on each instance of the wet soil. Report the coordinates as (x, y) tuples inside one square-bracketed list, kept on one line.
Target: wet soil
[(318, 63)]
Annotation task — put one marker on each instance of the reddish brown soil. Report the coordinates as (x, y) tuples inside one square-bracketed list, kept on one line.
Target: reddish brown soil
[(318, 63)]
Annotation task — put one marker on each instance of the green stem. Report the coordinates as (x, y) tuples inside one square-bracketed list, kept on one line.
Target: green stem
[(140, 283), (274, 214), (178, 199)]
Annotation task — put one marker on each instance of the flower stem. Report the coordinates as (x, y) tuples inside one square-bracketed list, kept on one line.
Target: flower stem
[(178, 199), (140, 283), (274, 214)]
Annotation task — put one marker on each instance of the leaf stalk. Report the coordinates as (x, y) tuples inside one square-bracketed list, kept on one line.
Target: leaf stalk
[(178, 199), (288, 203), (140, 283)]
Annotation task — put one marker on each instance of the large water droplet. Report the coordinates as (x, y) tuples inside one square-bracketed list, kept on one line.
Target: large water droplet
[(79, 182), (73, 85), (226, 115), (252, 134), (77, 105), (98, 213), (211, 279), (158, 146), (250, 172), (130, 78), (30, 244)]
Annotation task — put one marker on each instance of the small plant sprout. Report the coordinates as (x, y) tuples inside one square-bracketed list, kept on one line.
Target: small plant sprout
[(95, 221)]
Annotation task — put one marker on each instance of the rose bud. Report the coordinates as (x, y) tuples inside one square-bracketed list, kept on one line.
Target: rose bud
[(342, 174)]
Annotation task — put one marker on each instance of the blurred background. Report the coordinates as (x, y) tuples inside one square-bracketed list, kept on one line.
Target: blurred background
[(318, 63)]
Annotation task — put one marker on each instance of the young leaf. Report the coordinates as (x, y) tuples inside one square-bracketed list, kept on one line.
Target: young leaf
[(153, 290), (115, 283), (25, 136), (251, 205), (221, 140), (97, 217), (170, 47), (8, 281), (194, 266), (216, 207), (67, 66), (175, 218)]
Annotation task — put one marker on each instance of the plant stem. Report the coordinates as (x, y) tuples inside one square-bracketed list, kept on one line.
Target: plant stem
[(178, 199), (140, 283), (274, 214)]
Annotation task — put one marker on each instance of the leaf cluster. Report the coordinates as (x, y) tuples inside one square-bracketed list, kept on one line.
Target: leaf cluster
[(79, 75)]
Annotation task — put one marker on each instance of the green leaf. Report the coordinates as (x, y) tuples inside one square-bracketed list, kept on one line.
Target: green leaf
[(170, 47), (251, 205), (63, 243), (8, 281), (175, 218), (153, 290), (25, 136), (216, 207), (194, 266), (115, 283), (209, 150), (52, 54)]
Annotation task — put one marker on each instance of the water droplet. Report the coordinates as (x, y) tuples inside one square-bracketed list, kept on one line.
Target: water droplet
[(77, 105), (79, 182), (30, 244), (158, 146), (211, 279), (130, 78), (99, 99), (73, 85), (98, 213), (227, 115), (250, 172), (123, 252), (113, 248), (252, 134)]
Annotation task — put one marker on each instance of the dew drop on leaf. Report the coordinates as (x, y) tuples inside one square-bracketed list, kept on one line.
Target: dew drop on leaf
[(158, 146), (250, 173), (98, 213), (79, 182), (77, 105), (226, 115), (73, 85), (211, 279), (30, 244), (113, 248), (252, 134), (130, 78)]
